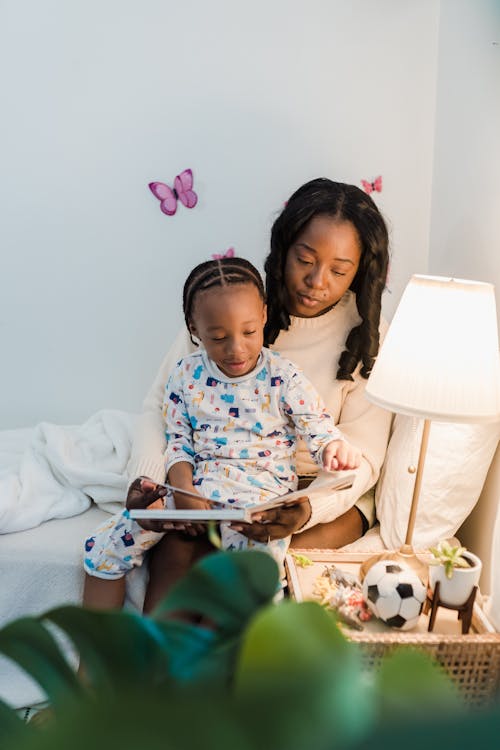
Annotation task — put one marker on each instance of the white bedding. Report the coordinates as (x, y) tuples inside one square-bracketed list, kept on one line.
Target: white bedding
[(49, 475), (41, 568), (53, 471)]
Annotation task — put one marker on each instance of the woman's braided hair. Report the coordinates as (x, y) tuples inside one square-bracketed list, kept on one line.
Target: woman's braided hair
[(343, 202), (221, 272)]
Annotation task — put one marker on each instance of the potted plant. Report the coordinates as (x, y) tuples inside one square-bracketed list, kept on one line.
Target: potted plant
[(263, 674), (457, 571)]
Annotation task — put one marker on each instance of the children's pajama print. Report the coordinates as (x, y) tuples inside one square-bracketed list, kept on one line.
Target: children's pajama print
[(240, 435)]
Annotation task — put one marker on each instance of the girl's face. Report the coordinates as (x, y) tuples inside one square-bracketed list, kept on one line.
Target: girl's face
[(229, 321), (320, 266)]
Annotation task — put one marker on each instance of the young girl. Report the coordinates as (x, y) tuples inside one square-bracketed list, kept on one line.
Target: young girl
[(232, 413)]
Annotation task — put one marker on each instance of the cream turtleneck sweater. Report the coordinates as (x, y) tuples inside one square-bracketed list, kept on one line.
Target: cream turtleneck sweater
[(315, 345)]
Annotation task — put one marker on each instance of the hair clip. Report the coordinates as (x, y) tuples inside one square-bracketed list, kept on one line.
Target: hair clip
[(228, 254), (376, 185)]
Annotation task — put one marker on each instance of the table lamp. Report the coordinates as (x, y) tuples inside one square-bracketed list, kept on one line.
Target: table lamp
[(439, 361)]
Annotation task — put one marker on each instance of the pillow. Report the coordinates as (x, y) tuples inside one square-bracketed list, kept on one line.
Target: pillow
[(457, 461), (492, 607)]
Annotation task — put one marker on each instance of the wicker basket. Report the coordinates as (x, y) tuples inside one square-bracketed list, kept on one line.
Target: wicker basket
[(472, 660)]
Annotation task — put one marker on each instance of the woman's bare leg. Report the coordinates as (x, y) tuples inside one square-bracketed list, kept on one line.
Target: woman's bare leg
[(103, 593), (344, 530), (169, 561)]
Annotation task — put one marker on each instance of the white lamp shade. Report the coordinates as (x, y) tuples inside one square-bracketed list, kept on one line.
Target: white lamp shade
[(440, 358)]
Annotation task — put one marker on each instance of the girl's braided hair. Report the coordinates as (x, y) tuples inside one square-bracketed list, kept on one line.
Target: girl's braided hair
[(221, 272), (342, 202)]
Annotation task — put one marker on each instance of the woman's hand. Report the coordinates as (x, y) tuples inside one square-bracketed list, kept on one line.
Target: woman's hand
[(145, 493), (276, 523)]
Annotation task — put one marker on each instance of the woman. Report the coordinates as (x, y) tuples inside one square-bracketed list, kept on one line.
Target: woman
[(325, 275)]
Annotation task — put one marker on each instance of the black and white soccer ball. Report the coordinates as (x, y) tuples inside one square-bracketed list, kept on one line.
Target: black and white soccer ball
[(394, 593)]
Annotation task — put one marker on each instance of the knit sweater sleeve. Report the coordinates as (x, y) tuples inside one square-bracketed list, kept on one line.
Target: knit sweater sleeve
[(148, 445), (367, 427)]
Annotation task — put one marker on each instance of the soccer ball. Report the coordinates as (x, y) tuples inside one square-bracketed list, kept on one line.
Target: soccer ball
[(394, 593)]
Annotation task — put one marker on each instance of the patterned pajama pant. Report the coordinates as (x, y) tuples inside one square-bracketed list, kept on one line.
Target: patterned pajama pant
[(119, 545)]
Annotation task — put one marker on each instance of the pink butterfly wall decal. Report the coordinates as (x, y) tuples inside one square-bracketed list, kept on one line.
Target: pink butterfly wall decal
[(228, 254), (376, 185), (182, 191)]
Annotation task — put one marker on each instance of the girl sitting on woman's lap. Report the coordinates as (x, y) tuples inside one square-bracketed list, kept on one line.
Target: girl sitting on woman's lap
[(232, 413), (325, 275)]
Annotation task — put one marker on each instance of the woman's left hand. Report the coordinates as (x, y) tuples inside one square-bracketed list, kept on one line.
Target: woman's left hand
[(276, 523)]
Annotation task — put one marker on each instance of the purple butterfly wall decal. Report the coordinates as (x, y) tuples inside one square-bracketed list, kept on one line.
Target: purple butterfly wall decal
[(228, 254), (182, 191)]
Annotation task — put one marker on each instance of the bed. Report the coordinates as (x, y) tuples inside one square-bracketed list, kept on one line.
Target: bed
[(58, 482)]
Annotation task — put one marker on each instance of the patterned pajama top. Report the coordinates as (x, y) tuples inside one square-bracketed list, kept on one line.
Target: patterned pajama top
[(240, 434), (240, 437)]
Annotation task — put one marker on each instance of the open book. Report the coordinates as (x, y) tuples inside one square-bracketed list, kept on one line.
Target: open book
[(339, 480)]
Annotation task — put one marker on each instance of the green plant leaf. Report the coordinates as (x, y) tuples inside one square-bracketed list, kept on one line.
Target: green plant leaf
[(11, 726), (449, 557), (409, 678), (227, 588), (197, 654), (213, 535), (172, 719), (460, 731), (295, 661), (28, 643), (115, 647), (121, 648)]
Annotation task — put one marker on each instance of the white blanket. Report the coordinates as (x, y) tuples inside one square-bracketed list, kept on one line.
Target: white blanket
[(54, 471)]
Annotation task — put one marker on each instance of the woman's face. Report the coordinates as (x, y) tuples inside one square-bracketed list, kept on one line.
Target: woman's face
[(321, 265)]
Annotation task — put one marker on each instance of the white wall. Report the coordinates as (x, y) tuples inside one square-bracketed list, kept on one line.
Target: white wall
[(465, 224), (99, 97)]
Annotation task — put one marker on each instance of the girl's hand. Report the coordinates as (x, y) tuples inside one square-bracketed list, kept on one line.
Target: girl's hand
[(180, 475), (186, 502), (276, 523), (339, 454)]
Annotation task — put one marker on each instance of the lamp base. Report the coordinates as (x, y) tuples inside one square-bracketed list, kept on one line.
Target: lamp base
[(405, 554)]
